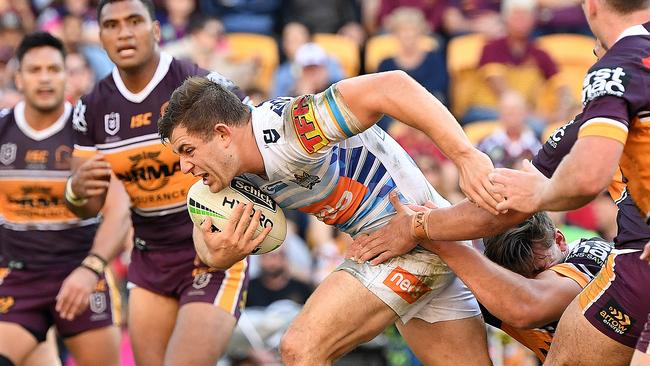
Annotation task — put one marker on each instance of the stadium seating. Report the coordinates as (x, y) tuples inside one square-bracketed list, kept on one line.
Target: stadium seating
[(344, 50), (477, 131), (384, 46), (463, 56), (256, 46)]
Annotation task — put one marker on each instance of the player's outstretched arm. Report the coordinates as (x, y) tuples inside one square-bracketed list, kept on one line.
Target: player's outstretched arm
[(400, 96), (88, 185), (519, 301), (74, 294), (222, 249)]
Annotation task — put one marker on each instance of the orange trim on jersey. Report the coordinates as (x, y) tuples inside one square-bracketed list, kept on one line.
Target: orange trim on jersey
[(604, 129), (116, 298), (341, 204), (536, 340), (570, 271), (84, 154), (616, 187), (231, 287), (597, 287)]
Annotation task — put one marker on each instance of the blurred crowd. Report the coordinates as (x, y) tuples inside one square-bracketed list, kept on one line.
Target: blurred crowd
[(510, 71)]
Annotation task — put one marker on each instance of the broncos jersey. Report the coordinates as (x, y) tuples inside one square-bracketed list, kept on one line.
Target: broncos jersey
[(319, 161), (36, 228), (617, 106), (585, 259), (123, 127)]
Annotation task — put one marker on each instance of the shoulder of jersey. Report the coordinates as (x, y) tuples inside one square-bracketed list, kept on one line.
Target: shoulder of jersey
[(186, 69)]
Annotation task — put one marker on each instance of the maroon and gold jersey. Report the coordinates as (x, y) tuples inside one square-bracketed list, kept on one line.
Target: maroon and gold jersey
[(585, 259), (616, 98), (37, 229), (122, 126)]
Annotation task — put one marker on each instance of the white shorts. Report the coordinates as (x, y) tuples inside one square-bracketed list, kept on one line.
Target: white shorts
[(417, 285)]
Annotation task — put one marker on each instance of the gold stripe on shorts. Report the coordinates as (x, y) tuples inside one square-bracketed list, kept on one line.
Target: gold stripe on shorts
[(231, 287)]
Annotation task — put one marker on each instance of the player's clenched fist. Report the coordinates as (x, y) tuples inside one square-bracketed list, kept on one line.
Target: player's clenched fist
[(222, 249), (92, 178)]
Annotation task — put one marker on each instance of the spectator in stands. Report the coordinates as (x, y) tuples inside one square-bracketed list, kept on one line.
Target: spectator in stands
[(17, 12), (474, 16), (275, 282), (294, 36), (433, 12), (52, 19), (562, 16), (9, 96), (252, 16), (515, 63), (74, 41), (206, 46), (313, 76), (175, 21), (80, 78), (513, 141), (408, 25), (323, 16)]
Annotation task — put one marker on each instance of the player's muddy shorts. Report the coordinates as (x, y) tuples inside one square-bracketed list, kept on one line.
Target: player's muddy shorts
[(616, 302), (643, 344), (417, 285), (172, 273), (28, 298)]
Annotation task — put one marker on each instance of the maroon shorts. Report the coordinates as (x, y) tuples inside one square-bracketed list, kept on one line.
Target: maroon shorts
[(28, 298), (616, 302), (643, 344), (172, 273)]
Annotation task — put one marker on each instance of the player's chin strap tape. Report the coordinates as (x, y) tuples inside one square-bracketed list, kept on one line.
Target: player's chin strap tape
[(4, 361)]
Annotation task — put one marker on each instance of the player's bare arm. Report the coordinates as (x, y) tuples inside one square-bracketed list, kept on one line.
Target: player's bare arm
[(398, 95), (222, 249), (463, 221), (74, 295), (582, 175), (519, 301), (88, 185)]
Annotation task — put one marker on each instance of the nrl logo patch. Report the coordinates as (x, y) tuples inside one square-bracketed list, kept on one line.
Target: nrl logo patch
[(253, 193), (8, 153), (112, 123), (306, 180)]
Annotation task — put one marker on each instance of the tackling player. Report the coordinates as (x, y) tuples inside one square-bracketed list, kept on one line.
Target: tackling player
[(179, 313), (322, 154), (604, 324), (52, 263)]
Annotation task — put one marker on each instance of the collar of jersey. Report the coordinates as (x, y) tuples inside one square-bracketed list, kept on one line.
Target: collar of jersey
[(636, 30), (40, 135), (161, 71)]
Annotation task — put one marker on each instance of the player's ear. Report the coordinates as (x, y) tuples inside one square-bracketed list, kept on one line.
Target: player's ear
[(156, 31), (560, 240), (18, 79), (222, 132)]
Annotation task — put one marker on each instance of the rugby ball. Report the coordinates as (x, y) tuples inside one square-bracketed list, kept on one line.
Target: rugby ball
[(219, 206)]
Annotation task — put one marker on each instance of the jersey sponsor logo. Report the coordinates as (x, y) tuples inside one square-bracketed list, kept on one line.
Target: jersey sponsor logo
[(278, 104), (253, 193), (271, 136), (6, 302), (148, 172), (305, 180), (558, 134), (112, 123), (36, 156), (593, 250), (36, 197), (603, 82), (341, 204), (79, 118), (274, 187), (406, 285), (8, 153), (139, 120), (98, 303), (616, 317), (62, 156), (309, 132)]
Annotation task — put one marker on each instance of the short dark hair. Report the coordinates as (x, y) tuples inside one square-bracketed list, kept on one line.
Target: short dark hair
[(628, 6), (151, 8), (513, 249), (38, 39), (198, 104)]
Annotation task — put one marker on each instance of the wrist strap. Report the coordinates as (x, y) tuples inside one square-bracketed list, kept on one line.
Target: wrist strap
[(419, 225), (94, 263), (71, 197)]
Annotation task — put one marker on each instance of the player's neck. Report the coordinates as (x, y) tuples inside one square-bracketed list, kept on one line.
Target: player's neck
[(252, 161), (40, 120), (616, 25), (136, 79)]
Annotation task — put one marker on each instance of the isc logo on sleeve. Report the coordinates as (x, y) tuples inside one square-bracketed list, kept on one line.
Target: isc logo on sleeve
[(406, 285)]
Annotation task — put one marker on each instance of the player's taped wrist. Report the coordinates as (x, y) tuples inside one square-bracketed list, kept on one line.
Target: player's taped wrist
[(419, 225), (71, 197), (95, 263)]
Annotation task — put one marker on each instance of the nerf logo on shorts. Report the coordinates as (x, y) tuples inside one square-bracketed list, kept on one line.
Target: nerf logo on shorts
[(309, 133), (615, 317), (406, 285)]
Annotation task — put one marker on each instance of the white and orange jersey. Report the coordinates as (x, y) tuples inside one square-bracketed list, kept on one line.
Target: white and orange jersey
[(319, 161)]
